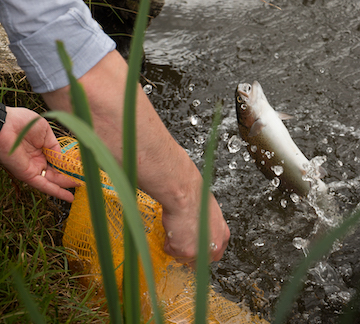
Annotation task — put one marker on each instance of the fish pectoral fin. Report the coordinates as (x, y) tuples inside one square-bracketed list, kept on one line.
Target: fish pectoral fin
[(284, 116), (256, 128)]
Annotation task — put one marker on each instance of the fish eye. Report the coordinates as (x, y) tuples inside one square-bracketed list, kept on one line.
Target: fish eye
[(239, 100), (243, 107)]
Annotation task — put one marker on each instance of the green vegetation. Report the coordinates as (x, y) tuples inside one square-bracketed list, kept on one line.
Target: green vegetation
[(30, 234)]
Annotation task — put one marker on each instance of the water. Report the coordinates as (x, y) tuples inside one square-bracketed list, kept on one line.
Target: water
[(306, 58)]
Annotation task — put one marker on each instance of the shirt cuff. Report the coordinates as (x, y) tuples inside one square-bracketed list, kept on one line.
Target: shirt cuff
[(85, 43)]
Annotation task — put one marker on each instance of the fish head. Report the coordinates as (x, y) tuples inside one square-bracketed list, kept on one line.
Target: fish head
[(250, 102)]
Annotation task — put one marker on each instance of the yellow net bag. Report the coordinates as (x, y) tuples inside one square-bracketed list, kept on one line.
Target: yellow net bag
[(174, 282)]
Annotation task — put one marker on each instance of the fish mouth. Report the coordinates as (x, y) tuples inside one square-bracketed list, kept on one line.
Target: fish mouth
[(244, 90)]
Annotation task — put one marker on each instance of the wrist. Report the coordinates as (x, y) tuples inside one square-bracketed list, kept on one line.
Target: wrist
[(176, 182)]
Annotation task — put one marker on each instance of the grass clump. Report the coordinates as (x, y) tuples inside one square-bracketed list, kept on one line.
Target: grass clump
[(29, 238)]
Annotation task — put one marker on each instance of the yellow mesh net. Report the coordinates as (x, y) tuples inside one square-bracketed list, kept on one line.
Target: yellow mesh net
[(174, 282)]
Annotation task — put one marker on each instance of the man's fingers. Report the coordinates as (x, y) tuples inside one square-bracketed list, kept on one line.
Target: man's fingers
[(59, 179), (43, 184)]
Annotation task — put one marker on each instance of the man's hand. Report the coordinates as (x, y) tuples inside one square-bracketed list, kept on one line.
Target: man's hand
[(28, 162), (181, 227)]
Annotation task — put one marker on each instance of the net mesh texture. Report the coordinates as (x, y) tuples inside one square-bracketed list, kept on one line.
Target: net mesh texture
[(174, 282)]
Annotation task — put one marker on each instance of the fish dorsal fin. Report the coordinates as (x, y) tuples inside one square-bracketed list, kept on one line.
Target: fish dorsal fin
[(256, 128), (284, 116)]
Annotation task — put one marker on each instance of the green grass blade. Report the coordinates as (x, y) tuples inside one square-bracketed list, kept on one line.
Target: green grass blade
[(292, 289), (96, 202), (131, 272), (78, 96), (30, 305), (99, 221), (202, 273), (129, 135), (13, 90), (22, 134), (107, 162)]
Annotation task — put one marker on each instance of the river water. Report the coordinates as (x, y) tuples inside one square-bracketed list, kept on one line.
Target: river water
[(306, 57)]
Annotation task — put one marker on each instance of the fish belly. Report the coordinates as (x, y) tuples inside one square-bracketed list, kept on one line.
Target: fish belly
[(277, 156)]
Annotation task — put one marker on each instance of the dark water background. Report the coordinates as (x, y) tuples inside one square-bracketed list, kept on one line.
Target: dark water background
[(306, 57)]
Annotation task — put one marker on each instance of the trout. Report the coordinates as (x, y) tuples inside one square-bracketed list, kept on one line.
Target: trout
[(270, 144)]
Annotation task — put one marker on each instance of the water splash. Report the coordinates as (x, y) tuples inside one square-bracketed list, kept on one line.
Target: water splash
[(195, 120), (234, 144), (148, 88), (334, 287), (301, 244), (233, 165), (196, 103)]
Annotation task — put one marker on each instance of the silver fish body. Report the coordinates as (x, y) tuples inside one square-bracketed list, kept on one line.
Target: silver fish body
[(269, 142)]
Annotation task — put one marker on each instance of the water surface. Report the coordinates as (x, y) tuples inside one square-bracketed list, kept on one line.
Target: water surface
[(306, 57)]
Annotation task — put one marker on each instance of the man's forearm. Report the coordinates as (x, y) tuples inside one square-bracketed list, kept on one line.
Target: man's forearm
[(161, 161)]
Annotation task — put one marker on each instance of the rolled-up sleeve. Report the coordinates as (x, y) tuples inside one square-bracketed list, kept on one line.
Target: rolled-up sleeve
[(33, 26)]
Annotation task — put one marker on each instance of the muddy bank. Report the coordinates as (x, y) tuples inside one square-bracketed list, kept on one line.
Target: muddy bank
[(8, 64)]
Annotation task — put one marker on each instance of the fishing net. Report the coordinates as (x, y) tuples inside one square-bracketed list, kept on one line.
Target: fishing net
[(174, 282)]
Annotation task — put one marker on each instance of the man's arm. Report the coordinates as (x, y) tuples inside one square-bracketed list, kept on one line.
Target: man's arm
[(165, 171)]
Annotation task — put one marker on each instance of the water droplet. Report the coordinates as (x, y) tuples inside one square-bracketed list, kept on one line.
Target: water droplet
[(225, 137), (329, 150), (233, 165), (196, 102), (246, 156), (295, 198), (345, 296), (340, 163), (148, 89), (234, 144), (253, 148), (259, 242), (208, 100), (270, 198), (191, 87), (283, 203), (322, 70), (213, 246), (195, 120), (200, 139), (278, 169), (275, 182), (301, 244), (276, 55)]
